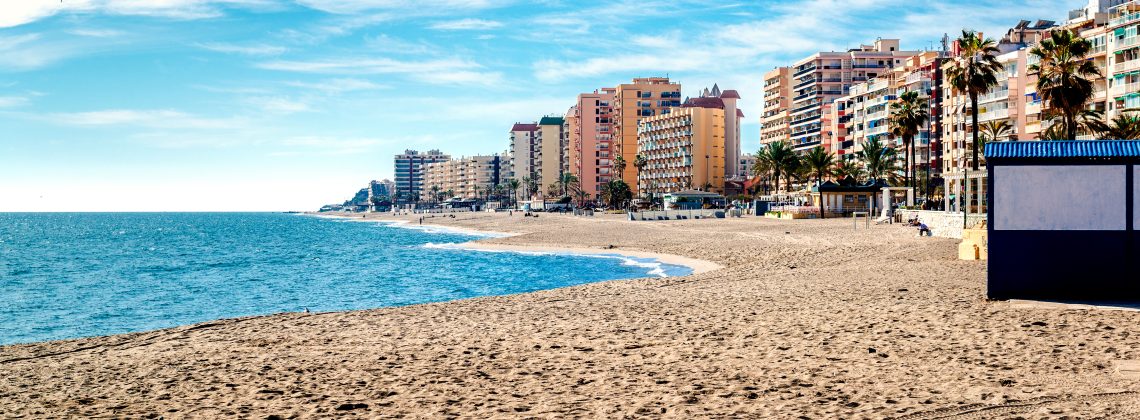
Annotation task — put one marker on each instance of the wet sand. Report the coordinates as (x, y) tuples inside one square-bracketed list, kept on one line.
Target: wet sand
[(805, 318)]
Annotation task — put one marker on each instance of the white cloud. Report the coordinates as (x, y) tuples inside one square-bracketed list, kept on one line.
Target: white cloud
[(279, 105), (439, 71), (467, 24), (12, 101), (334, 86), (19, 12), (258, 49), (355, 6), (96, 33), (142, 118)]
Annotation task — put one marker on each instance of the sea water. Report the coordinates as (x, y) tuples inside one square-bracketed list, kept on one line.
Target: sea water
[(69, 275)]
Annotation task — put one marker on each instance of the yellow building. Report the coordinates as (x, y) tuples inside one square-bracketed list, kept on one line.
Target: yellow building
[(550, 139), (645, 97), (684, 149)]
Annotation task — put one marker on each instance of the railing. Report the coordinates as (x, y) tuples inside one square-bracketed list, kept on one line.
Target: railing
[(994, 115), (1125, 88), (1127, 65), (1124, 19)]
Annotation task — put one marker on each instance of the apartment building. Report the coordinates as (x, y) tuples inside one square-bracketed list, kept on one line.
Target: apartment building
[(523, 160), (409, 173), (591, 139), (644, 97), (777, 103), (684, 149), (864, 114), (824, 77), (1123, 61), (466, 177), (549, 138), (1013, 100)]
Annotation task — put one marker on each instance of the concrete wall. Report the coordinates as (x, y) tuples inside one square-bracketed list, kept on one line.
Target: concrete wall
[(942, 224)]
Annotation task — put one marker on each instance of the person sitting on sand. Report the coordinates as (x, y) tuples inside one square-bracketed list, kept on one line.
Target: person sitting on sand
[(922, 228)]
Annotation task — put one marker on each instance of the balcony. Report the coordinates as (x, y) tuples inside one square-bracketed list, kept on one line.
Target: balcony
[(804, 71), (1122, 89), (1128, 18), (1125, 43), (1126, 66), (997, 114)]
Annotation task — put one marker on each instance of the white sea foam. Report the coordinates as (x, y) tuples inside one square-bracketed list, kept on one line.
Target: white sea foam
[(653, 268)]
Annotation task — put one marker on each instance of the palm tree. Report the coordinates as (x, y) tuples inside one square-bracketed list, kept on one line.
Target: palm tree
[(567, 182), (974, 72), (1064, 75), (1122, 127), (819, 161), (995, 130), (475, 189), (435, 192), (762, 168), (619, 167), (529, 184), (780, 157), (878, 159), (907, 117), (848, 169), (639, 162), (512, 191)]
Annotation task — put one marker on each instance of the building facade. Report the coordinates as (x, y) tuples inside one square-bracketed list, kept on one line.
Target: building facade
[(684, 149), (591, 140), (409, 173), (523, 160), (549, 139), (777, 104), (465, 177), (824, 77), (644, 97)]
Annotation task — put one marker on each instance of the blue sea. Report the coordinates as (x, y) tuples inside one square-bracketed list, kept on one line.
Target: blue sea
[(70, 275)]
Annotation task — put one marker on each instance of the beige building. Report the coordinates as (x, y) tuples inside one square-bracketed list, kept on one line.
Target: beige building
[(523, 161), (777, 103), (644, 97), (466, 177), (684, 149)]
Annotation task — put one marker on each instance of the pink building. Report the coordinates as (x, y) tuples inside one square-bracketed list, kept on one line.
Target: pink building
[(591, 138)]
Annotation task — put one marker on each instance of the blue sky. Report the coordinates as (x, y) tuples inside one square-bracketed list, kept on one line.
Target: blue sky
[(233, 105)]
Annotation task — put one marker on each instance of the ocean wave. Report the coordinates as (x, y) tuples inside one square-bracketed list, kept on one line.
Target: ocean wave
[(653, 267)]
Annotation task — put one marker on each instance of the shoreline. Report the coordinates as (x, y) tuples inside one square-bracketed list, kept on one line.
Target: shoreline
[(698, 266), (806, 317)]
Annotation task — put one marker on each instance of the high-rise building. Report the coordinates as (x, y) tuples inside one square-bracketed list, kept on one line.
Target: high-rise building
[(864, 113), (465, 177), (410, 173), (644, 97), (725, 100), (684, 149), (549, 138), (1123, 67), (523, 161), (591, 138), (777, 104), (823, 77)]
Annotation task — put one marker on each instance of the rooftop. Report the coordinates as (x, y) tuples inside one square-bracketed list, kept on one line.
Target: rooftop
[(550, 121)]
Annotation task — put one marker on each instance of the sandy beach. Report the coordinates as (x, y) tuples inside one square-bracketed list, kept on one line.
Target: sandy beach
[(782, 319)]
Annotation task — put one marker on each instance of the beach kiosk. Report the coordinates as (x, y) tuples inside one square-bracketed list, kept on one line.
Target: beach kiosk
[(1062, 220)]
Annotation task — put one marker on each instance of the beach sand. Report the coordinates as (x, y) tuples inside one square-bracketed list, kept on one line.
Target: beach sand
[(806, 318)]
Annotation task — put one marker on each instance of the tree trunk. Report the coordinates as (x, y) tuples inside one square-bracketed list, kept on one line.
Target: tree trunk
[(819, 183), (1070, 125), (913, 164), (974, 120)]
